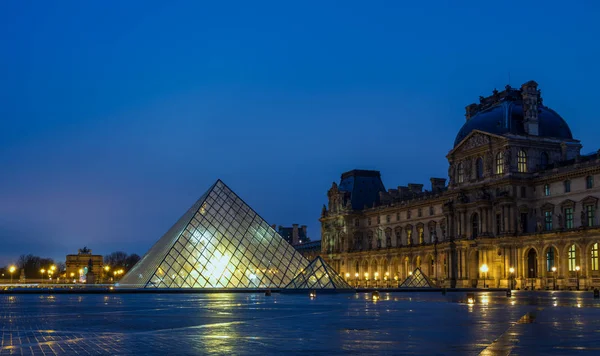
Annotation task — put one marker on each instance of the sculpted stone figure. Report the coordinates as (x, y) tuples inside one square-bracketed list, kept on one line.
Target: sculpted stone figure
[(583, 219)]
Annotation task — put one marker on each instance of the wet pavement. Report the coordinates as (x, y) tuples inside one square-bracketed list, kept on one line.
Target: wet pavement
[(528, 323)]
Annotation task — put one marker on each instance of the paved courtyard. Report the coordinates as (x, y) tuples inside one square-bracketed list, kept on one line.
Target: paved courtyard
[(400, 323)]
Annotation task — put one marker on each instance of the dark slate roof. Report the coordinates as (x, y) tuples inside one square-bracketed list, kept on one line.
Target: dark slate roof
[(507, 117), (313, 245), (364, 187)]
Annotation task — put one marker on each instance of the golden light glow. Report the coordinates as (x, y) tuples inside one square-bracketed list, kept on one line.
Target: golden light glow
[(81, 271), (356, 275), (12, 269), (107, 268), (347, 275), (511, 270), (376, 275), (53, 267), (471, 301), (43, 271), (484, 268), (553, 269), (577, 268), (410, 273), (72, 274)]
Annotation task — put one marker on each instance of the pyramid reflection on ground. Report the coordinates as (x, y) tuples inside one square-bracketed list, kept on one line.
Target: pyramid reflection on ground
[(417, 279), (319, 275), (219, 243)]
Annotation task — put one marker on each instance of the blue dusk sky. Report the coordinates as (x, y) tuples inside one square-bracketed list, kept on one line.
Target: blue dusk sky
[(116, 116)]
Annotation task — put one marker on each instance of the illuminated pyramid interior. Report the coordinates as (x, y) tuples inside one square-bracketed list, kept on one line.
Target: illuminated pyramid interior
[(318, 275), (219, 243), (417, 279)]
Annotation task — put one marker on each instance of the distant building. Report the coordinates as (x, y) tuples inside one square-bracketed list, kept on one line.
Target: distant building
[(77, 265), (309, 250), (293, 235)]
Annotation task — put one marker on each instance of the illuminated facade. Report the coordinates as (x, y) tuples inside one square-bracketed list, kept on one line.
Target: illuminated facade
[(219, 243), (77, 265), (520, 199)]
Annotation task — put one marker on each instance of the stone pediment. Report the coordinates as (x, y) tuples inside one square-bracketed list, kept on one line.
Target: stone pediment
[(475, 140)]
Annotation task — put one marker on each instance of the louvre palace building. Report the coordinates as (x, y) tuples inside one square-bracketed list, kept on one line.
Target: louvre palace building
[(520, 200)]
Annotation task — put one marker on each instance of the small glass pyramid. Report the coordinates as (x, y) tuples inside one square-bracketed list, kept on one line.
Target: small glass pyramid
[(318, 275), (220, 242), (417, 279)]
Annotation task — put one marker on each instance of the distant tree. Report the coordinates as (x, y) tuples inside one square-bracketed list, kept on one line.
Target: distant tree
[(33, 264), (121, 260)]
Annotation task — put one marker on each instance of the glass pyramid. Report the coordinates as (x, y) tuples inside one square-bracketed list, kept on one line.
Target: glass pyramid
[(417, 279), (220, 242), (318, 275)]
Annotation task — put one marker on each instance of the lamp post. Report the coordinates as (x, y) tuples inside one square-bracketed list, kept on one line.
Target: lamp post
[(366, 279), (356, 279), (396, 279), (12, 270), (532, 279), (347, 277), (484, 270), (43, 271), (107, 269), (554, 277), (577, 274), (512, 276), (387, 274), (376, 282)]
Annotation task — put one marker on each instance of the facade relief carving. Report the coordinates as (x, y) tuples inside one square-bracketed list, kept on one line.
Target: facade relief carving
[(475, 141)]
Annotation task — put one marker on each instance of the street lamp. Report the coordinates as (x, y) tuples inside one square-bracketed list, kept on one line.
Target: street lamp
[(554, 277), (577, 273), (347, 276), (366, 279), (484, 270), (396, 279), (11, 270), (356, 278), (376, 275), (387, 274), (512, 276), (43, 271)]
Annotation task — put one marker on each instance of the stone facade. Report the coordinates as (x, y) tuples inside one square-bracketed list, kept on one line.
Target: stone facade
[(78, 265), (519, 196)]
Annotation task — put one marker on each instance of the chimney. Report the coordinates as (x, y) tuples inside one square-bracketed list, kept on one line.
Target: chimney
[(295, 234), (531, 100), (304, 233), (437, 184), (274, 227), (415, 188)]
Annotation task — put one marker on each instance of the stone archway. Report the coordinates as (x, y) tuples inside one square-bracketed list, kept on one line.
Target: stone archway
[(531, 263)]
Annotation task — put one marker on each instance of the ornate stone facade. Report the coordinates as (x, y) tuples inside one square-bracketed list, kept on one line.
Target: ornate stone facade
[(520, 197)]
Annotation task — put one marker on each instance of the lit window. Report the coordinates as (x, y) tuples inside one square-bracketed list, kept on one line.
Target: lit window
[(567, 186), (589, 182), (550, 259), (421, 235), (547, 190), (589, 213), (548, 220), (461, 173), (479, 167), (572, 258), (595, 257), (522, 161), (569, 218), (500, 163)]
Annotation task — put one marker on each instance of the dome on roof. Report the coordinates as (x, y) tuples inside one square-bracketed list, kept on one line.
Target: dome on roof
[(504, 115)]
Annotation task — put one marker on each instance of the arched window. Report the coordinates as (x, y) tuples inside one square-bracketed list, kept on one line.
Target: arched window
[(461, 173), (522, 161), (500, 163), (572, 258), (479, 167), (409, 236), (550, 259), (475, 225), (547, 190), (544, 160), (421, 235)]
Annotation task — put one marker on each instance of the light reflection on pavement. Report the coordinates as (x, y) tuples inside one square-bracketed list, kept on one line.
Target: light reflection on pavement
[(398, 323)]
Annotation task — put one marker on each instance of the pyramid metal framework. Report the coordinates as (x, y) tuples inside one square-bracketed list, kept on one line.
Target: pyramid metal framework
[(318, 275), (219, 243), (417, 279)]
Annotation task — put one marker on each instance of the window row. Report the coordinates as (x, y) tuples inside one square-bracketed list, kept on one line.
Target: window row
[(388, 218), (589, 184)]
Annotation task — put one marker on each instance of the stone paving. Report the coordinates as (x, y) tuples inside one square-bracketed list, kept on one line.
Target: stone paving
[(529, 323)]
